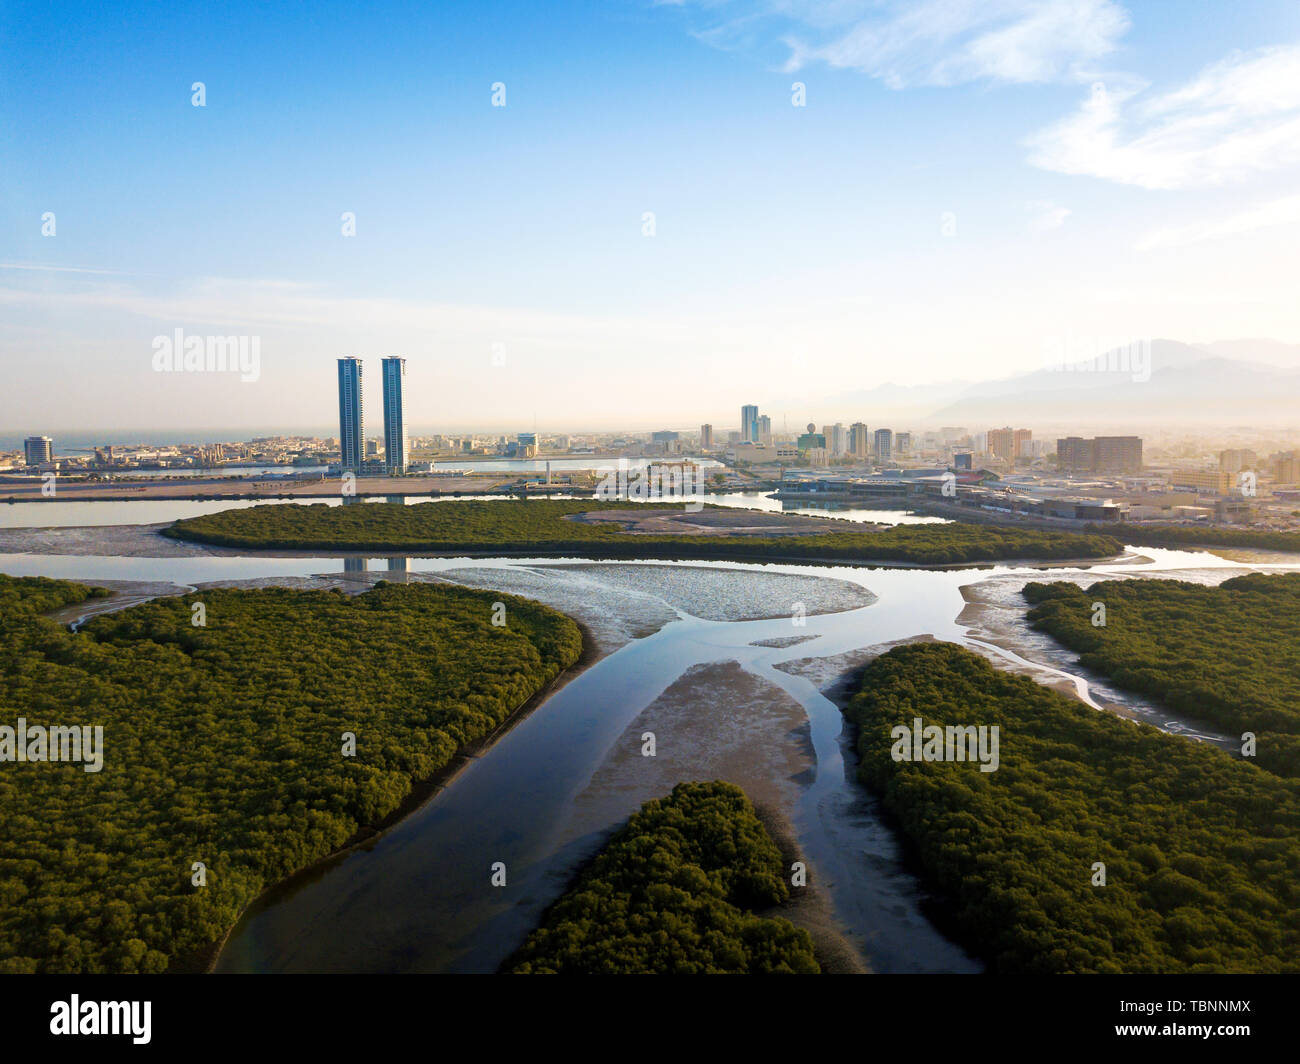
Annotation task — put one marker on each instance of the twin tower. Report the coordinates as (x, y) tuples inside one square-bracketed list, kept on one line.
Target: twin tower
[(352, 437)]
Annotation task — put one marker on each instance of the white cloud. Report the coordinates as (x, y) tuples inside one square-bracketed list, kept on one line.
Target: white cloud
[(1237, 118), (1285, 211), (36, 267), (1044, 216), (934, 42)]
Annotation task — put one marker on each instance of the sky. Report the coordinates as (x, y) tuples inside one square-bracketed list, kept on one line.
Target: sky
[(627, 214)]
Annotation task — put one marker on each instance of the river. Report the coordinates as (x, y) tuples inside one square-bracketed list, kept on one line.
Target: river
[(545, 795)]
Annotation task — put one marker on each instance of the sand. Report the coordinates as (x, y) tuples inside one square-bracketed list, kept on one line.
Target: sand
[(719, 722)]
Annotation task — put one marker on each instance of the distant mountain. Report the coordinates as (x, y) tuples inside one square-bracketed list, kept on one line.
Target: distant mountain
[(1272, 352), (1177, 383), (1166, 382)]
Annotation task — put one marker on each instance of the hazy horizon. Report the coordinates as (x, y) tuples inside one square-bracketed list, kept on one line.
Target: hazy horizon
[(844, 195)]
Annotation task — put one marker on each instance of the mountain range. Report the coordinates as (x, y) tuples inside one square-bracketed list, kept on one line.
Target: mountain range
[(1161, 381)]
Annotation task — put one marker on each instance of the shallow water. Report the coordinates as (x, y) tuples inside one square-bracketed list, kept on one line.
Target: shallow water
[(419, 899)]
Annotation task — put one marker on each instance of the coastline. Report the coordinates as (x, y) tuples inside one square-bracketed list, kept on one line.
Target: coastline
[(204, 961), (147, 541)]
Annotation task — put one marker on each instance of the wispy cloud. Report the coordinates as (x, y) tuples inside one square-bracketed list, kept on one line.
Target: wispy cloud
[(293, 305), (929, 42), (1044, 216), (1284, 211), (1237, 118), (37, 267)]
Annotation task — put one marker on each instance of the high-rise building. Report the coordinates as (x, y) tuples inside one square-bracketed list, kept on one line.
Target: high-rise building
[(396, 444), (839, 440), (1119, 454), (38, 450), (706, 437), (1001, 443), (764, 436), (884, 444), (812, 439), (903, 443), (1008, 443), (1234, 461), (1286, 467), (749, 424), (352, 440), (858, 440), (1074, 454)]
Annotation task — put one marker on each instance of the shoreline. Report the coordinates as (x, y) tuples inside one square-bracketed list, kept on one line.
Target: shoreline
[(110, 541), (204, 961)]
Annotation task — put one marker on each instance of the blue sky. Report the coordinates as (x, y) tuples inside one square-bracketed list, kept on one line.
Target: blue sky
[(967, 183)]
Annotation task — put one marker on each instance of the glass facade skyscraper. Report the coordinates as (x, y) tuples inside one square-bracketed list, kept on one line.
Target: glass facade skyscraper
[(396, 448), (352, 438)]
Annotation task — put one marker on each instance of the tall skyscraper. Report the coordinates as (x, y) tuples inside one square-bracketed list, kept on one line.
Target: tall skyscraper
[(1002, 443), (858, 445), (838, 440), (395, 440), (749, 424), (763, 436), (706, 437), (352, 439), (884, 444), (1008, 443), (38, 450)]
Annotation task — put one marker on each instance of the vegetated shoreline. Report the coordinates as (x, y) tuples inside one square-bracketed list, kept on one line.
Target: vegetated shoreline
[(754, 854), (1173, 537), (919, 834), (937, 907), (1176, 537), (16, 541), (204, 961), (809, 909), (1149, 616), (539, 527)]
